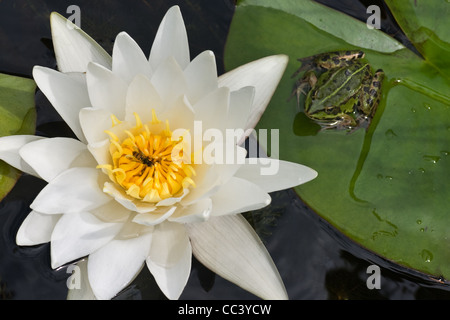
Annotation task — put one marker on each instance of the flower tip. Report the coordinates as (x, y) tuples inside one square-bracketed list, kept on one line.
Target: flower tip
[(281, 59), (55, 15), (307, 175), (268, 200), (174, 12), (285, 58), (209, 53), (54, 264), (174, 9), (35, 69), (124, 39), (37, 72), (311, 176), (123, 34), (57, 20), (21, 239)]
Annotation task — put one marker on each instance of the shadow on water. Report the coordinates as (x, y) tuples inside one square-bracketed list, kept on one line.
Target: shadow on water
[(314, 260)]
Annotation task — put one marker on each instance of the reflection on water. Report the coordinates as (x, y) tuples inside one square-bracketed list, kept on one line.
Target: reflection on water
[(314, 260)]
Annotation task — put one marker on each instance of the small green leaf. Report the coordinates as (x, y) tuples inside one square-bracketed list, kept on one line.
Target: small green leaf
[(17, 116)]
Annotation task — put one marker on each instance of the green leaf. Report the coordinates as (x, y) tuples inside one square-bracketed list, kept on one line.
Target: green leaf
[(385, 188), (331, 23), (427, 25), (17, 116)]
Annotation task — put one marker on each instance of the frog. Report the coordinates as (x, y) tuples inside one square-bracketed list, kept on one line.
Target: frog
[(341, 90)]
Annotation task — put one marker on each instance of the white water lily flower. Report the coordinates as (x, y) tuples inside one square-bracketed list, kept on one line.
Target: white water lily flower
[(117, 195)]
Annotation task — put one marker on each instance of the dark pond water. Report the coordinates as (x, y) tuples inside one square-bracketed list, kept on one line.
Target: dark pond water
[(314, 260)]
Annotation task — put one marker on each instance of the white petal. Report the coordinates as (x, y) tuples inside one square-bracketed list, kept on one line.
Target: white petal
[(172, 200), (128, 58), (50, 157), (180, 115), (230, 247), (170, 40), (209, 177), (100, 151), (263, 74), (201, 76), (112, 211), (125, 200), (133, 230), (207, 181), (239, 109), (119, 130), (273, 174), (119, 195), (172, 280), (67, 94), (168, 79), (154, 217), (74, 49), (77, 235), (170, 258), (106, 90), (213, 109), (94, 122), (9, 151), (196, 212), (74, 190), (169, 240), (115, 265), (238, 195), (141, 98), (37, 228), (234, 159)]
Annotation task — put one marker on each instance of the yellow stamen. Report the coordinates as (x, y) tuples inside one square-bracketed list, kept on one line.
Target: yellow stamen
[(115, 121), (138, 121), (142, 162), (155, 119), (112, 135)]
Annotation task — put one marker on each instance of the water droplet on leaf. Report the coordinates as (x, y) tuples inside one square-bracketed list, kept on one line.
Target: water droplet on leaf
[(390, 134), (426, 255), (432, 159)]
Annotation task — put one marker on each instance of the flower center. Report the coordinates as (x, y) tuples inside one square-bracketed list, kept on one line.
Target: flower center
[(143, 164)]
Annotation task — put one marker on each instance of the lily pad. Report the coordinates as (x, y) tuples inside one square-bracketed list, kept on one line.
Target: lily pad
[(17, 116), (385, 188)]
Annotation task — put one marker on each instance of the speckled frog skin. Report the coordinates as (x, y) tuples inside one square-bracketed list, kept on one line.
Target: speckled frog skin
[(342, 91)]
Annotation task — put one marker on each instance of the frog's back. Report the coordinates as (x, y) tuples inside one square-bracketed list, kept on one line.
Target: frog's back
[(336, 86)]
